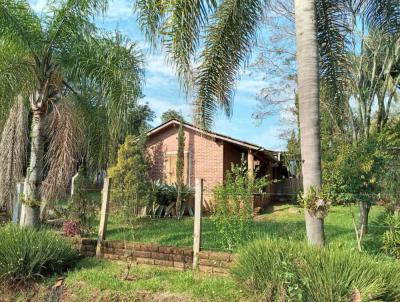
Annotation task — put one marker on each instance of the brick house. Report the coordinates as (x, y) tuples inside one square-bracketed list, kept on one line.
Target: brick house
[(208, 155)]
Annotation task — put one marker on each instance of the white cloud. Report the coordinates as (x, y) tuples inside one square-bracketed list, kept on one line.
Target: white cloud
[(38, 6), (157, 63), (269, 137), (251, 86), (119, 9)]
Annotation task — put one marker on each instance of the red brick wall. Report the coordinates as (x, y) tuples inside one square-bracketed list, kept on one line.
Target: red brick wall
[(206, 156), (232, 155), (152, 254)]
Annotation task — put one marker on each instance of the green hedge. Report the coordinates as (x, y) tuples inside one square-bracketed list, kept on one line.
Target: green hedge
[(288, 271), (27, 254)]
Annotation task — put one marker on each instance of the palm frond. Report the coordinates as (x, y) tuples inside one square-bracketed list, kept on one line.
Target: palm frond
[(16, 76), (331, 34), (182, 34), (113, 68), (98, 145), (16, 70), (66, 141), (383, 14), (70, 19), (178, 26), (332, 31), (13, 152), (151, 16), (19, 22), (228, 43)]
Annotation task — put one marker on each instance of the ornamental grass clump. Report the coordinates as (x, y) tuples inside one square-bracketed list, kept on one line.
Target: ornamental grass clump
[(27, 254), (391, 237), (281, 270)]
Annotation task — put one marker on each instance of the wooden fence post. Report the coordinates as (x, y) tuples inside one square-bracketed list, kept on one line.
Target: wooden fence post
[(103, 215), (198, 201)]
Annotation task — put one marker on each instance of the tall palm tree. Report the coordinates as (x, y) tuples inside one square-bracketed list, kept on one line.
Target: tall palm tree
[(309, 116), (63, 59), (217, 36)]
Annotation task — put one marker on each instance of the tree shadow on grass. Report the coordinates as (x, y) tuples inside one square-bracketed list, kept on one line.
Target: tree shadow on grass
[(372, 242)]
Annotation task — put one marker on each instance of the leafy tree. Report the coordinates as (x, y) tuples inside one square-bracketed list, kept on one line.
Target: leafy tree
[(180, 165), (130, 175), (171, 115), (352, 175), (62, 57), (140, 118)]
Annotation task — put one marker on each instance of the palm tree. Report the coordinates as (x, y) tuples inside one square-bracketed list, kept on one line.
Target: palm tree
[(64, 65), (309, 116), (219, 34)]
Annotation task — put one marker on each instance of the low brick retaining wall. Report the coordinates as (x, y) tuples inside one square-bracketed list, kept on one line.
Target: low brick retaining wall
[(153, 254)]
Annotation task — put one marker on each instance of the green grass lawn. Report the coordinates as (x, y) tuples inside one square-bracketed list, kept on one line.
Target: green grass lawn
[(100, 280), (283, 221)]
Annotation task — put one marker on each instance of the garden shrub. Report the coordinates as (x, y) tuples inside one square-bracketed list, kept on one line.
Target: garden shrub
[(234, 205), (351, 172), (27, 254), (289, 271), (131, 187), (391, 237)]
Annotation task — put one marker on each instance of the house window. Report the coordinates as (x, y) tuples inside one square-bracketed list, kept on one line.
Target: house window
[(170, 167)]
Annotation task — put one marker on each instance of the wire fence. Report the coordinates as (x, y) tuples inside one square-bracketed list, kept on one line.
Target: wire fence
[(284, 220)]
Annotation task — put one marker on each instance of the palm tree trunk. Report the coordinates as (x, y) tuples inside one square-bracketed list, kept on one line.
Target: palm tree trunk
[(31, 208), (308, 87)]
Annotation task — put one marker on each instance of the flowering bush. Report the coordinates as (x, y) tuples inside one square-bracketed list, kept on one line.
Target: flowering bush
[(71, 228)]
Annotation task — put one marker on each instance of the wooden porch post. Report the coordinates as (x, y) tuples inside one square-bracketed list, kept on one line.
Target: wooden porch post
[(250, 163), (250, 172)]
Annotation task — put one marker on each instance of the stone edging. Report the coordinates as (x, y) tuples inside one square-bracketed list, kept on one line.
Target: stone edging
[(153, 254)]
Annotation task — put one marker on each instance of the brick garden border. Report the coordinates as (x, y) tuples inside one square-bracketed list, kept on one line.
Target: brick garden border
[(154, 254)]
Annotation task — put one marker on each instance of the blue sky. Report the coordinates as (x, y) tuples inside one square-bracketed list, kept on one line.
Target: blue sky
[(162, 90)]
